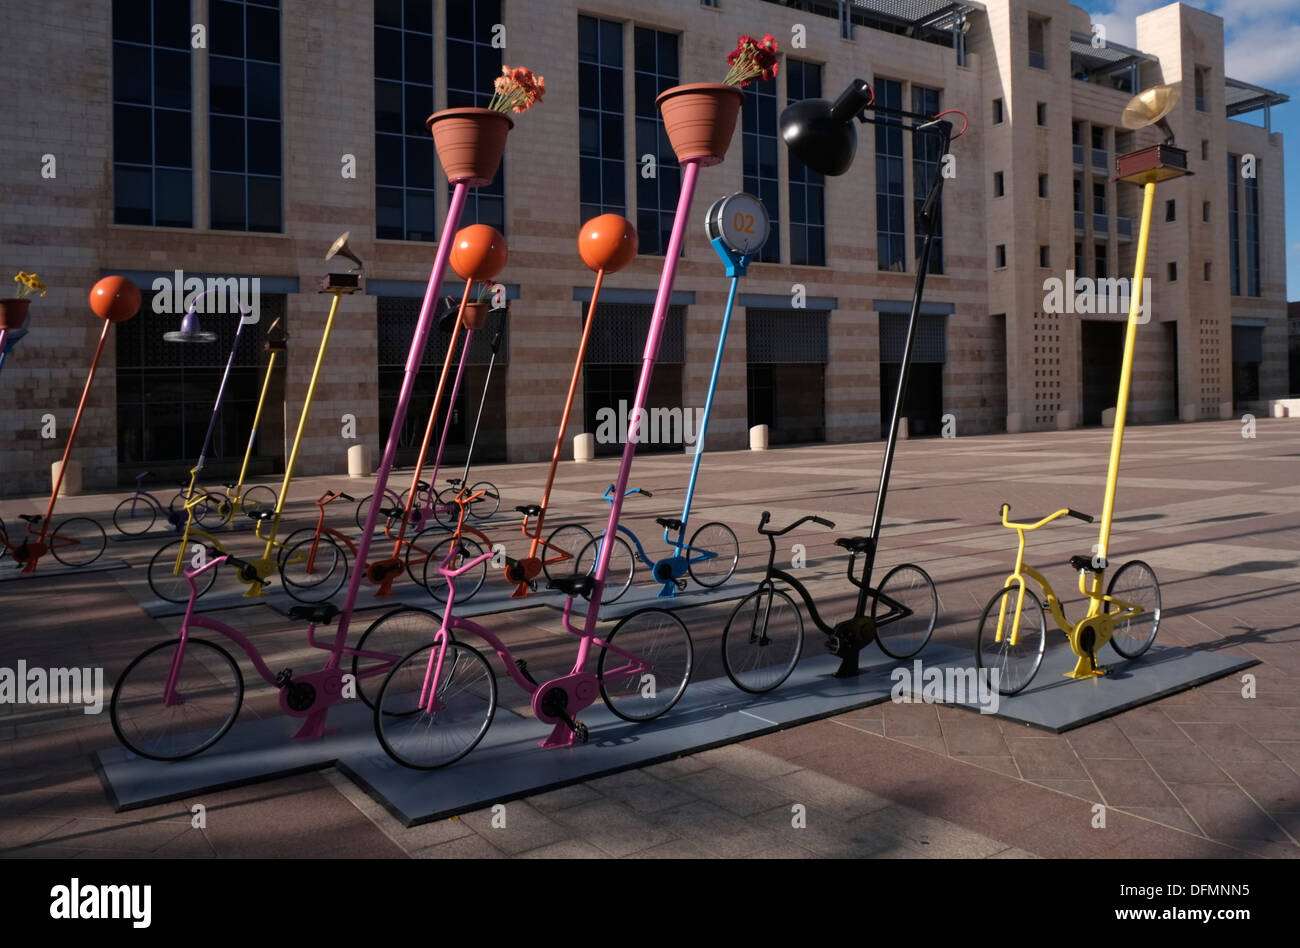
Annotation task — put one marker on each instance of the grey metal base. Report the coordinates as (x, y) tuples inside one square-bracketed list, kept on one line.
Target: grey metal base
[(492, 597), (1055, 703), (49, 566), (644, 594)]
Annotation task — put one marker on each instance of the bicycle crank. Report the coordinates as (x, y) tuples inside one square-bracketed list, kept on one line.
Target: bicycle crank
[(558, 702), (847, 639), (1086, 639)]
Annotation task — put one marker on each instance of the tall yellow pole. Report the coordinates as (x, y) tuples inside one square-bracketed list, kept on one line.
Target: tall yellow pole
[(257, 417), (1126, 371)]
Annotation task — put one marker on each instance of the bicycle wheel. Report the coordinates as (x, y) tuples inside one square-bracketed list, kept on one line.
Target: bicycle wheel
[(292, 540), (134, 516), (1014, 666), (466, 696), (568, 538), (445, 509), (908, 587), (1135, 582), (78, 541), (208, 512), (715, 538), (418, 550), (170, 585), (258, 497), (393, 636), (654, 637), (618, 576), (4, 541), (487, 505), (208, 693), (390, 499), (467, 583), (762, 640), (314, 568)]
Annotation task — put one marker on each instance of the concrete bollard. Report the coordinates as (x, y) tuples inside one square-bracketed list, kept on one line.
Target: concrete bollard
[(1108, 417), (584, 447), (902, 429), (1064, 420), (71, 485), (758, 438), (359, 461), (1190, 412), (1279, 409)]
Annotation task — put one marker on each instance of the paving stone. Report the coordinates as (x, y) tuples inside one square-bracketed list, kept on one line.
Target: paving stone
[(612, 827), (525, 827), (735, 794)]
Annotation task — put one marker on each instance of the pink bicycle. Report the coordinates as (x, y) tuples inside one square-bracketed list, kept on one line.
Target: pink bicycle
[(178, 698), (437, 703)]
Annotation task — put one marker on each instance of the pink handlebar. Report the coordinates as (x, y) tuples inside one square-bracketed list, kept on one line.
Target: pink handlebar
[(215, 561), (453, 573)]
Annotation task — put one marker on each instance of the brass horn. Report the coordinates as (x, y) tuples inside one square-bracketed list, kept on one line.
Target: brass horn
[(1149, 107), (340, 248)]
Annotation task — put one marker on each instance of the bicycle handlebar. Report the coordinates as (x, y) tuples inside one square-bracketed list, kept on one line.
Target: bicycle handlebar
[(767, 515), (211, 563), (1041, 521), (627, 493), (453, 573)]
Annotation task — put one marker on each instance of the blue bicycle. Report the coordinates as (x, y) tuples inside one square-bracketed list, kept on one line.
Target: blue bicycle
[(710, 558)]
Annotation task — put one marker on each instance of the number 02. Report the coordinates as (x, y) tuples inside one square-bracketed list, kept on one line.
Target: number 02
[(743, 223)]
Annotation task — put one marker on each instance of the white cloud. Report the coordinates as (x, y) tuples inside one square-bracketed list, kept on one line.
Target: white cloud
[(1264, 54)]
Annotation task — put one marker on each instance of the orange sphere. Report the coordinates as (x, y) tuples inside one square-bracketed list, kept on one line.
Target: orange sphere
[(479, 253), (608, 243), (115, 298)]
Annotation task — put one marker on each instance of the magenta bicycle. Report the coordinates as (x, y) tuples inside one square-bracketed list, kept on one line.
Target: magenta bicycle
[(178, 698)]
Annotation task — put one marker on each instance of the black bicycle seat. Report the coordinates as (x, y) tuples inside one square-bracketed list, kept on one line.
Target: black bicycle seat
[(319, 614), (854, 544), (257, 513), (392, 511), (144, 474), (530, 510), (1089, 563), (231, 486), (422, 485), (668, 523), (454, 481), (30, 518), (579, 584)]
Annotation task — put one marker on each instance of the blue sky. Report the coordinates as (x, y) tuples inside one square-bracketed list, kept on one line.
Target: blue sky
[(1262, 40)]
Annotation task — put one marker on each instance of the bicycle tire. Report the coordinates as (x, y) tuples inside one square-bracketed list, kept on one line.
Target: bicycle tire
[(194, 741), (755, 627), (78, 551), (486, 506), (332, 570), (407, 628), (468, 583), (903, 638), (580, 537), (258, 497), (446, 512), (363, 508), (129, 518), (661, 637), (1121, 642), (716, 570), (171, 586), (1031, 657), (418, 549), (619, 573)]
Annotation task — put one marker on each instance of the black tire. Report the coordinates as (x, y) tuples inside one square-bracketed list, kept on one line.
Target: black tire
[(134, 516), (258, 497), (426, 741), (419, 548), (570, 538), (445, 509), (618, 576), (911, 587), (171, 586), (468, 583), (4, 541), (714, 538), (363, 508), (292, 540), (1015, 670), (1131, 637), (762, 640), (329, 568), (78, 541), (394, 635), (148, 673), (659, 637), (486, 506), (213, 511)]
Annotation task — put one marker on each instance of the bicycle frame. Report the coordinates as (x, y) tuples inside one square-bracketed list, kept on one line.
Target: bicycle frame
[(275, 344), (670, 569)]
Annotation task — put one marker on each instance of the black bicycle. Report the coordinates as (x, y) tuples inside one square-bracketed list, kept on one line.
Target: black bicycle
[(764, 635)]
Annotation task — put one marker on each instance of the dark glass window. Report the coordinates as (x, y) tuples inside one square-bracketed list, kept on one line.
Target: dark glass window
[(807, 187), (405, 172), (891, 236), (656, 69), (153, 167), (1234, 225), (927, 157), (600, 118), (762, 175), (473, 65), (1252, 233), (246, 177)]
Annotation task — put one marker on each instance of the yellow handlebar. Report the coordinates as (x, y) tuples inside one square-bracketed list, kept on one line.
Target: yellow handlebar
[(1006, 509)]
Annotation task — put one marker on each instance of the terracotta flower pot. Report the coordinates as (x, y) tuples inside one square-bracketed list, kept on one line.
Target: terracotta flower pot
[(13, 312), (700, 118), (475, 315), (470, 143)]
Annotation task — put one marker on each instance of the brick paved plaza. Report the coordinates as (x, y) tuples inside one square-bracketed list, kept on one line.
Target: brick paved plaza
[(1203, 773)]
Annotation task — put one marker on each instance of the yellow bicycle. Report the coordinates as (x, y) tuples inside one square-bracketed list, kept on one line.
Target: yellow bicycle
[(1013, 628)]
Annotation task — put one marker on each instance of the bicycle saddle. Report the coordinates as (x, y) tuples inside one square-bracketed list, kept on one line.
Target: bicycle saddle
[(259, 514), (142, 475), (230, 486), (530, 510), (30, 518), (1087, 562), (578, 584), (454, 481), (422, 485), (319, 614), (854, 544), (392, 511), (668, 523)]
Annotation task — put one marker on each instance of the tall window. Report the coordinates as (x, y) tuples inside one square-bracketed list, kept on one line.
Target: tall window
[(1037, 42), (807, 187), (404, 163), (152, 159), (890, 225), (926, 157), (244, 91), (762, 177), (656, 196), (472, 66), (600, 117), (1252, 234), (1234, 226)]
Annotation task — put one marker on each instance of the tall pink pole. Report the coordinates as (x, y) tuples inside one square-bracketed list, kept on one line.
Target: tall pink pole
[(413, 359), (658, 320)]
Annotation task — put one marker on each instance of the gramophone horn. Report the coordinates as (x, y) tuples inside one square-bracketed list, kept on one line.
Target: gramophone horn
[(1149, 107), (340, 248)]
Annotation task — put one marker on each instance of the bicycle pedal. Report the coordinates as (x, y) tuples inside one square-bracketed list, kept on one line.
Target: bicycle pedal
[(284, 678), (523, 670), (580, 732), (681, 585)]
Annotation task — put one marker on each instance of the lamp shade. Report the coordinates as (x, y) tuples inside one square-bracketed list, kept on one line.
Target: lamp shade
[(190, 331), (447, 310), (821, 134)]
